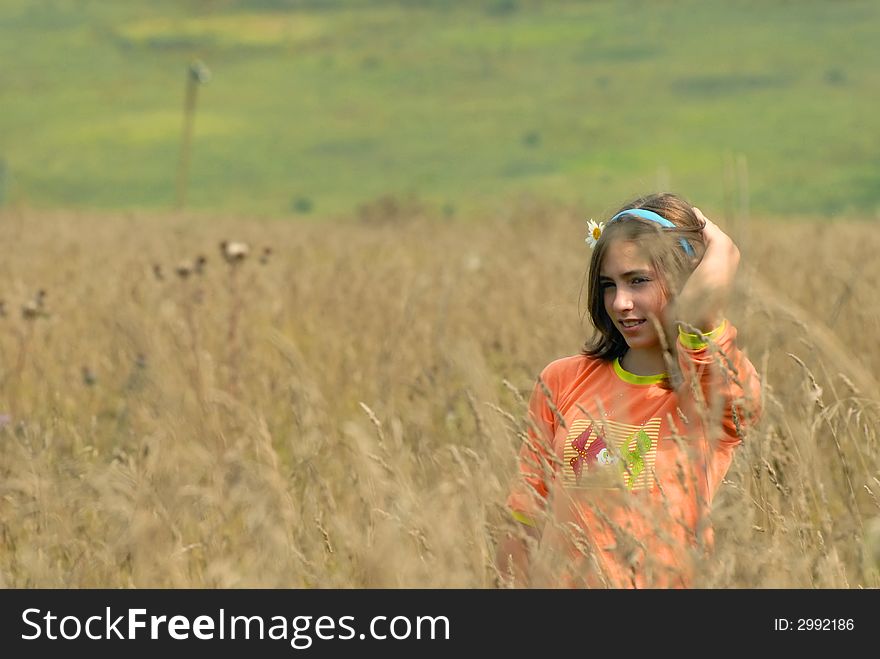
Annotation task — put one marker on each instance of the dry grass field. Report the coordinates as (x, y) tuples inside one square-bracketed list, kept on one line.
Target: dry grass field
[(345, 410)]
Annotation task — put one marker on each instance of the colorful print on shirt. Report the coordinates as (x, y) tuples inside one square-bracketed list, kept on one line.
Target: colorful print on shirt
[(629, 449)]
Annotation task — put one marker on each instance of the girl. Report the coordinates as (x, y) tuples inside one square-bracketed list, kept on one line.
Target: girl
[(629, 440)]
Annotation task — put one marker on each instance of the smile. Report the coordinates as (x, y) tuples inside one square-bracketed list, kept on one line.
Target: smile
[(628, 324)]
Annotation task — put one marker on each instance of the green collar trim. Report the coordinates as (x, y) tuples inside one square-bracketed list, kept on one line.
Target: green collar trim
[(632, 378)]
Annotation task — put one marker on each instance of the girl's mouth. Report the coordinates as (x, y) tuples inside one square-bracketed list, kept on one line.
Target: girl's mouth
[(631, 324)]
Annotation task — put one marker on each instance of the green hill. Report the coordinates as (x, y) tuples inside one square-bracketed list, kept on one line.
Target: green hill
[(318, 107)]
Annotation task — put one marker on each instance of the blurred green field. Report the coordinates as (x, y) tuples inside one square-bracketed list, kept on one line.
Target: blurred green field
[(317, 108)]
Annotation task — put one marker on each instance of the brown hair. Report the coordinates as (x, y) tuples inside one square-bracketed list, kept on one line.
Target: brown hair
[(668, 257)]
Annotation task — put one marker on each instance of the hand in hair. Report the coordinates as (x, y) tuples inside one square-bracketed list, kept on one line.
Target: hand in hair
[(703, 299)]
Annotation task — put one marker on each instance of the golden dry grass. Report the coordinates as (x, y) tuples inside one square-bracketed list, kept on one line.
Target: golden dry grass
[(347, 413)]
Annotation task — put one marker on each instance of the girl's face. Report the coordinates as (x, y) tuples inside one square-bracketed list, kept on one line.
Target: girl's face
[(633, 294)]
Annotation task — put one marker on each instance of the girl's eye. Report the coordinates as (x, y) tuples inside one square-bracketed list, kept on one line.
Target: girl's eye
[(605, 284), (640, 280)]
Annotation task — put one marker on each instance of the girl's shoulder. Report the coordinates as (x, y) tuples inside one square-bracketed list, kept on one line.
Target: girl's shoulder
[(573, 368)]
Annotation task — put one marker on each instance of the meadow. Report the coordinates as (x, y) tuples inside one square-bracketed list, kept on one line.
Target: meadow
[(314, 109), (343, 409)]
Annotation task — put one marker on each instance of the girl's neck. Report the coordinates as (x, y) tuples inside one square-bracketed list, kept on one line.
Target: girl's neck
[(643, 362)]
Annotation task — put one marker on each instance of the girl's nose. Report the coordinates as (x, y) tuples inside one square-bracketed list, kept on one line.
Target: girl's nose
[(622, 300)]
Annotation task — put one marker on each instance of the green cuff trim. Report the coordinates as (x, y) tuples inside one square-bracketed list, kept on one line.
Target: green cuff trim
[(632, 378), (697, 341), (522, 519)]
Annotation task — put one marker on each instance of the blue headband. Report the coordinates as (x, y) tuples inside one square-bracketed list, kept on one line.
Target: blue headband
[(654, 217)]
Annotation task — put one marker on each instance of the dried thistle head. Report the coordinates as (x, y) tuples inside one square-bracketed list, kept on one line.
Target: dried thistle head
[(199, 264), (183, 269), (33, 309), (30, 310), (234, 252), (264, 257), (88, 377), (157, 272)]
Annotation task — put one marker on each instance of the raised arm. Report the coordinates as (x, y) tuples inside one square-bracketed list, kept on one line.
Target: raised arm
[(727, 379), (703, 299)]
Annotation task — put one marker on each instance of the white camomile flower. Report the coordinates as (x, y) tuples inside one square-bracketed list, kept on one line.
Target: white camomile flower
[(594, 230)]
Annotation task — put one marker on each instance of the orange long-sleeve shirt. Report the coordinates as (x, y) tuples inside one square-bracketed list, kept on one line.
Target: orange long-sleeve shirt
[(619, 472)]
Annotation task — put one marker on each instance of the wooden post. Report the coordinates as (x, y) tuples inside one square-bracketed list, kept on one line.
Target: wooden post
[(196, 75), (3, 177)]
